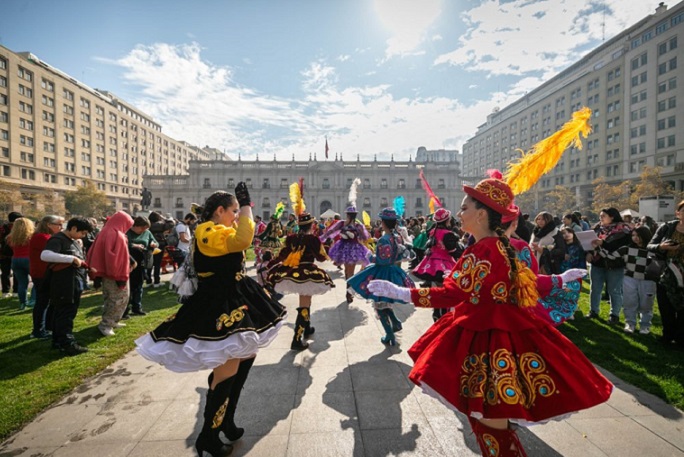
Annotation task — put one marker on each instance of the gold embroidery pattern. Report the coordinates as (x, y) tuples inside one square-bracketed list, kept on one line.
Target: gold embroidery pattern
[(424, 297), (493, 192), (471, 275), (218, 417), (224, 320), (505, 377), (491, 444), (500, 292)]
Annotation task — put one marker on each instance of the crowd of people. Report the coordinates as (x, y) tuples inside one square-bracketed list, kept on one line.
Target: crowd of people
[(498, 285)]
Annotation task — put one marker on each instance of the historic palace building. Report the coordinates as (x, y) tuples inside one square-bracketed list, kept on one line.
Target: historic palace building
[(326, 183), (57, 133), (634, 83)]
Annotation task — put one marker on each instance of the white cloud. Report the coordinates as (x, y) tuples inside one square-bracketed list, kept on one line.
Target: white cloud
[(437, 37), (343, 57), (202, 103), (407, 21), (523, 36)]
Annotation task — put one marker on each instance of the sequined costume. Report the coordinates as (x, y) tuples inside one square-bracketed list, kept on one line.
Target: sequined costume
[(349, 247), (389, 251), (229, 316), (294, 270), (490, 358)]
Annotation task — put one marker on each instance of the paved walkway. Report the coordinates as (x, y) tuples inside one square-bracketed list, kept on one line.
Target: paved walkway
[(347, 395)]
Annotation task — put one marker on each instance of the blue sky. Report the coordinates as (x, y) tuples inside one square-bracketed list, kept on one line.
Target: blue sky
[(276, 77)]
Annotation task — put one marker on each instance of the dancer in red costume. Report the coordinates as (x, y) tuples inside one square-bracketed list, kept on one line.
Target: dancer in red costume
[(490, 358)]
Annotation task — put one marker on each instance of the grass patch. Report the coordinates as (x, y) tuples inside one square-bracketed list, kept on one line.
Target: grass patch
[(640, 360), (33, 375)]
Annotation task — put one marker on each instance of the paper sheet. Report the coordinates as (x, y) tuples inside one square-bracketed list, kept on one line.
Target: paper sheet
[(585, 238)]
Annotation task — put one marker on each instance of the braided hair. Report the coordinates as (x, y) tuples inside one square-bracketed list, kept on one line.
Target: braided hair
[(496, 226), (219, 198)]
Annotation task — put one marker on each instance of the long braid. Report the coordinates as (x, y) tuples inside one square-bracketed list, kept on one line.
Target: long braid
[(523, 280)]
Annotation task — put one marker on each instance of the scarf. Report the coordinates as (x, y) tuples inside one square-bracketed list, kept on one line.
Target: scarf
[(541, 232)]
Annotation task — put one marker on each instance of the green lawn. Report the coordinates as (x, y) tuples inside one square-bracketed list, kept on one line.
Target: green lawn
[(33, 376), (640, 360)]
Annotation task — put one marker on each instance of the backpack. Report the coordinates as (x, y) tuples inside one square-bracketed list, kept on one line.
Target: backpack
[(172, 238)]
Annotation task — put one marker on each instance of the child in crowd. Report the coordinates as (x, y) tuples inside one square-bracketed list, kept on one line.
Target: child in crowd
[(637, 291), (575, 257)]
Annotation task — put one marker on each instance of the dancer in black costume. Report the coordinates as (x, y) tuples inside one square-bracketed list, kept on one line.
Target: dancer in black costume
[(224, 323)]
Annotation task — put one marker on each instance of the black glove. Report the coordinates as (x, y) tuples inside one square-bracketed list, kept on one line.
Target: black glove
[(242, 194)]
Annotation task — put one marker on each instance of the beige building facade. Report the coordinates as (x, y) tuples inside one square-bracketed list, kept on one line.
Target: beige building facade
[(634, 84), (56, 133), (326, 184)]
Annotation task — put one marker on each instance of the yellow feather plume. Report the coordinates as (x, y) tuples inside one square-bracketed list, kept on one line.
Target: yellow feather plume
[(543, 156), (296, 199), (432, 206), (366, 219)]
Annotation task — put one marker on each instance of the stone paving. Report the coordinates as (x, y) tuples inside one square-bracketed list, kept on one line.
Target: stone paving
[(347, 395)]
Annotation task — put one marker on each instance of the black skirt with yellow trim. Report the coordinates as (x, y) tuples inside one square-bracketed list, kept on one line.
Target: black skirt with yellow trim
[(229, 316)]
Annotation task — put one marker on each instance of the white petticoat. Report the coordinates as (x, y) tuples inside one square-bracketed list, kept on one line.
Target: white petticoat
[(304, 288), (198, 355)]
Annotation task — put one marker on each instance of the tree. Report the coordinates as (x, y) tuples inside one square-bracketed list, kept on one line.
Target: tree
[(651, 183), (43, 204), (10, 197), (526, 202), (559, 201), (87, 201), (608, 195)]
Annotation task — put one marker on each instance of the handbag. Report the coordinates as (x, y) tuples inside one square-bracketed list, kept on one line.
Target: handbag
[(655, 268)]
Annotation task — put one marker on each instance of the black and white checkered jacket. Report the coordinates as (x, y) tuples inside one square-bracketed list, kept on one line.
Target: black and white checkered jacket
[(636, 259)]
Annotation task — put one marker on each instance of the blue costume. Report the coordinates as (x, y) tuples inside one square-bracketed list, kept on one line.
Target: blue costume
[(388, 252)]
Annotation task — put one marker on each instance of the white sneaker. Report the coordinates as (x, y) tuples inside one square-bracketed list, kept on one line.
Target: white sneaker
[(629, 328), (119, 325), (7, 295), (106, 331), (645, 331), (157, 285)]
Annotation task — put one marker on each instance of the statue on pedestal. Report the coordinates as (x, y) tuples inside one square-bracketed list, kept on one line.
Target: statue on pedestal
[(146, 198)]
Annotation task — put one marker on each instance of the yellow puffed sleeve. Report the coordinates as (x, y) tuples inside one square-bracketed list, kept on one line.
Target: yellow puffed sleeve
[(214, 240)]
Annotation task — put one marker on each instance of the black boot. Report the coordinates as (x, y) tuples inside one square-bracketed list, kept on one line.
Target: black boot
[(308, 329), (229, 428), (214, 412), (298, 344)]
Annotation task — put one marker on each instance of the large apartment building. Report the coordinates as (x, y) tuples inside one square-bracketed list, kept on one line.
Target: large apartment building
[(634, 83), (56, 133)]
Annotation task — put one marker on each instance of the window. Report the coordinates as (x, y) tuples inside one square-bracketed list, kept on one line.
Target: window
[(48, 147), (4, 152), (69, 152), (3, 81), (441, 184), (3, 64), (47, 85), (4, 117), (366, 184), (24, 74), (383, 183), (48, 117), (49, 132), (366, 202), (26, 140), (3, 99), (26, 157), (68, 95), (28, 174), (68, 110), (25, 91), (25, 124), (6, 170), (401, 184)]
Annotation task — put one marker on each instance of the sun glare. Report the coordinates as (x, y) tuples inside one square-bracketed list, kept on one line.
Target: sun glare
[(402, 15)]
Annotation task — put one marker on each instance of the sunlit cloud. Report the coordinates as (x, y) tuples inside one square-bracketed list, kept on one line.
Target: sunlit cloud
[(523, 36), (407, 21)]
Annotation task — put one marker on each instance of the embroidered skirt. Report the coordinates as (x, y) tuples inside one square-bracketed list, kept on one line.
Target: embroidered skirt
[(304, 279), (222, 320)]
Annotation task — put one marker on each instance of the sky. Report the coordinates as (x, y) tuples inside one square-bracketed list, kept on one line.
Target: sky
[(277, 77)]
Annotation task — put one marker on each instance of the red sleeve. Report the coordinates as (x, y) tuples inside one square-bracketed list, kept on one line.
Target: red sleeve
[(481, 271)]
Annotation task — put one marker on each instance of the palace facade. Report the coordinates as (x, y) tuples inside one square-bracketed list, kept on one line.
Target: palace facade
[(326, 183)]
